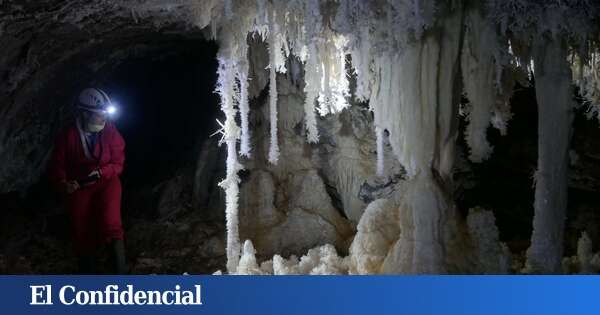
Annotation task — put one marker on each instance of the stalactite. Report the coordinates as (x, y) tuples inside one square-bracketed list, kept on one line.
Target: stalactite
[(381, 95), (334, 87), (586, 74), (478, 69), (311, 89), (242, 77), (312, 67), (361, 60), (244, 113), (228, 9), (554, 97), (380, 152), (273, 53)]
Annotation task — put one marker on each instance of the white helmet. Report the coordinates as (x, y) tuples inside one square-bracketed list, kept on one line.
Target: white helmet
[(95, 100)]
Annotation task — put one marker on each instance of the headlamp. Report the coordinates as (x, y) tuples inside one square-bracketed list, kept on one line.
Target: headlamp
[(111, 110)]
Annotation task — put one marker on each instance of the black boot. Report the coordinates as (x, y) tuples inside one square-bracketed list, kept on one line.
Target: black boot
[(86, 264), (119, 262)]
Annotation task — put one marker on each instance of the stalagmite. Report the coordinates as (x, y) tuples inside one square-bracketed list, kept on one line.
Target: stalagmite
[(376, 233), (322, 260), (492, 256), (585, 254), (555, 105), (248, 264)]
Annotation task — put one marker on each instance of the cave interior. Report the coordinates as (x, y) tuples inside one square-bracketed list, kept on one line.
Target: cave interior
[(325, 206)]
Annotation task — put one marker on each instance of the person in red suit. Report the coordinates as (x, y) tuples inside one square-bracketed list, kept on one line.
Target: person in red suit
[(87, 160)]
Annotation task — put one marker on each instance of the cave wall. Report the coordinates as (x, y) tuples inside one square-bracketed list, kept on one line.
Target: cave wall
[(53, 48)]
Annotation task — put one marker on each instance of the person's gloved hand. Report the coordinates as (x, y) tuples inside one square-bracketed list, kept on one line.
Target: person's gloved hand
[(95, 175), (71, 186)]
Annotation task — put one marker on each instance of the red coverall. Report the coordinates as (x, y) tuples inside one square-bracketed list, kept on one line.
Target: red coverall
[(95, 210)]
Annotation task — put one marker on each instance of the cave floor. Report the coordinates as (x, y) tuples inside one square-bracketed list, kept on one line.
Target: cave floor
[(36, 241)]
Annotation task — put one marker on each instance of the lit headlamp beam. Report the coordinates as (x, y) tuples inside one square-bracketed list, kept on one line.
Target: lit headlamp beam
[(111, 110)]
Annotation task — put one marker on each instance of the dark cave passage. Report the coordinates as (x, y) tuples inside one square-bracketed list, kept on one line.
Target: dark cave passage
[(505, 182), (167, 109)]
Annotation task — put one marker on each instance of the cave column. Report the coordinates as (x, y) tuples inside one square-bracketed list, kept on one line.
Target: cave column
[(554, 98), (422, 124), (434, 209), (228, 59)]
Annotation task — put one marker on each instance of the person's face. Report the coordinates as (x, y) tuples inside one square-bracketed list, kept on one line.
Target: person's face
[(95, 118)]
